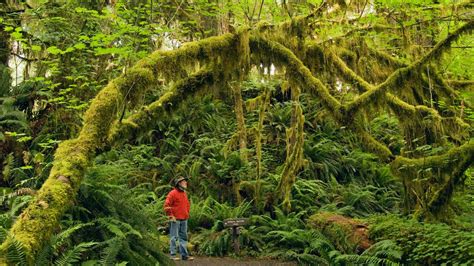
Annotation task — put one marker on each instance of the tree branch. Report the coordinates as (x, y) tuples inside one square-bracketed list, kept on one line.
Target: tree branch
[(169, 101), (282, 55), (403, 73)]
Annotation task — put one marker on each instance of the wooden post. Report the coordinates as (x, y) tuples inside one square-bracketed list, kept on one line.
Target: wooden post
[(235, 223)]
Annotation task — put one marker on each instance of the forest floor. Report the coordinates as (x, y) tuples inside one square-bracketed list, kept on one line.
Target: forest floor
[(211, 261)]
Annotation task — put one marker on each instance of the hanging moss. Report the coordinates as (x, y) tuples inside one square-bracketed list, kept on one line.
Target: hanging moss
[(373, 145), (448, 167), (181, 90), (404, 73), (258, 142), (300, 72), (383, 56), (294, 151)]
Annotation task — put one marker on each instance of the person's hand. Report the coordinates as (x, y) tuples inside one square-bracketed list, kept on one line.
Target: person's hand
[(172, 219)]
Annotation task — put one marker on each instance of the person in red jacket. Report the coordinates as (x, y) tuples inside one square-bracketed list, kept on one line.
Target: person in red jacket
[(177, 208)]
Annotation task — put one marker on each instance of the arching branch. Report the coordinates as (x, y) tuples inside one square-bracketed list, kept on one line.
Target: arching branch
[(129, 128), (402, 74)]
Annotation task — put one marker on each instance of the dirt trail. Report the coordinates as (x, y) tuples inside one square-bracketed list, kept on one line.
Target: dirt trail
[(214, 261)]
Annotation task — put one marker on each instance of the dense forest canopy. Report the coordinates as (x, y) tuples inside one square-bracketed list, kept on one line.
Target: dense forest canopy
[(288, 112)]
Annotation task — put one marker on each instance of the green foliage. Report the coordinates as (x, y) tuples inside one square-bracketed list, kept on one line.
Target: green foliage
[(4, 80), (72, 48), (425, 242), (16, 253), (212, 239), (112, 222), (74, 255)]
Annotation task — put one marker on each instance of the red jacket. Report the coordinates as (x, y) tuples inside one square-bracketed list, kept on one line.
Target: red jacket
[(177, 204)]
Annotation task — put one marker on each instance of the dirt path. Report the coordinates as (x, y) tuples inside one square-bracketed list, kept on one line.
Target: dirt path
[(214, 261)]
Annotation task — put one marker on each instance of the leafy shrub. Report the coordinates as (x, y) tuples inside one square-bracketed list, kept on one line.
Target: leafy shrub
[(425, 243)]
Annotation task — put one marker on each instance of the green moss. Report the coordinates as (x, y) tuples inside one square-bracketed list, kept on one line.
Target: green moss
[(37, 222), (231, 53), (343, 231), (402, 74), (294, 152), (181, 90), (298, 70), (173, 64), (134, 84), (434, 176), (374, 146)]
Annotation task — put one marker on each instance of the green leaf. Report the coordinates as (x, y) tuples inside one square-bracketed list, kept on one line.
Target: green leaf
[(54, 50), (16, 35), (69, 49), (36, 48), (24, 139), (79, 46)]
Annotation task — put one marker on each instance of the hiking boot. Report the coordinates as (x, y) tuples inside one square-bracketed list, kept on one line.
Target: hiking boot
[(188, 258), (175, 258)]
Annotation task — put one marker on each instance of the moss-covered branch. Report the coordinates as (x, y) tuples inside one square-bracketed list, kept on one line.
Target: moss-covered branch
[(210, 50), (458, 157), (285, 57), (402, 74), (449, 168), (373, 145), (142, 120)]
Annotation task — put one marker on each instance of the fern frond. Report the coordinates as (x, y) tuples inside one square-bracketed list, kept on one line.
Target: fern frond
[(385, 249), (109, 254), (73, 255), (3, 234), (364, 260), (60, 238), (15, 252)]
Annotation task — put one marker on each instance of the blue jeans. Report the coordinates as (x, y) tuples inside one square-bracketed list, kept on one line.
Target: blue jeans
[(179, 232)]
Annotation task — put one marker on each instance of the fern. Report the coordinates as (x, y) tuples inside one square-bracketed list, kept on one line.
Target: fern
[(364, 260), (73, 255), (385, 249), (51, 249), (109, 254), (59, 239), (3, 234), (15, 252), (117, 227)]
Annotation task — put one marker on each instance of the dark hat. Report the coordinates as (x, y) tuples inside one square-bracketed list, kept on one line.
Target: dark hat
[(179, 179)]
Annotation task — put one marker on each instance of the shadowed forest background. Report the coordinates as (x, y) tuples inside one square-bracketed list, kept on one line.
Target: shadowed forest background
[(341, 128)]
